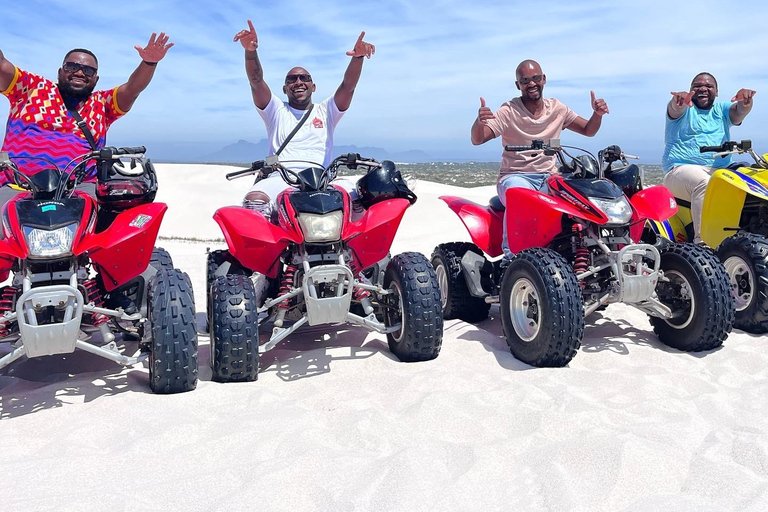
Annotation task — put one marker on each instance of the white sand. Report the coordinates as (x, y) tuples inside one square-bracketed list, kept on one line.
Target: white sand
[(335, 422)]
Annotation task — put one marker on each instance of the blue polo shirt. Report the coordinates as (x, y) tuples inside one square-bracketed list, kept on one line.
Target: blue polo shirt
[(696, 127)]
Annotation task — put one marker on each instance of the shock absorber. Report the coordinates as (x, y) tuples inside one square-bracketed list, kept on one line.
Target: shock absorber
[(580, 253), (6, 305), (286, 283), (92, 294), (361, 294)]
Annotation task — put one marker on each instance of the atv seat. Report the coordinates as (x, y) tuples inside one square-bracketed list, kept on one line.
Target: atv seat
[(495, 204)]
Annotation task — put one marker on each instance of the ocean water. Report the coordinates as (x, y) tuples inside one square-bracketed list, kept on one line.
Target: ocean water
[(478, 174)]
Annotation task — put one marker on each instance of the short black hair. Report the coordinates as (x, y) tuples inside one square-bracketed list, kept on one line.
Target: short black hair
[(81, 50), (708, 74)]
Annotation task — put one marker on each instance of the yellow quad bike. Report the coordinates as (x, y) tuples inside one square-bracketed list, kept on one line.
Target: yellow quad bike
[(735, 220)]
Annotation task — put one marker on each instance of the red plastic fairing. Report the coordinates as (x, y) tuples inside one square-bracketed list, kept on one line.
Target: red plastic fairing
[(655, 203), (484, 224), (371, 237), (12, 245), (252, 239), (123, 250), (571, 202), (535, 219)]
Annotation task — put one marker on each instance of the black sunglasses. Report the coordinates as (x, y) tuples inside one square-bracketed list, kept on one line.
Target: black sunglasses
[(74, 67), (528, 79), (291, 79)]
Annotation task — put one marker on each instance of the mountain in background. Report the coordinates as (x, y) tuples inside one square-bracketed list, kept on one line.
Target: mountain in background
[(243, 151)]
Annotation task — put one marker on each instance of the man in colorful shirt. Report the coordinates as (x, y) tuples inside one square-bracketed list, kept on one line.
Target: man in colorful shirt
[(695, 119), (41, 128)]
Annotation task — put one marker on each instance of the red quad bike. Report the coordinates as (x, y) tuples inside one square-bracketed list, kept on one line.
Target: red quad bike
[(323, 260), (80, 266), (576, 250)]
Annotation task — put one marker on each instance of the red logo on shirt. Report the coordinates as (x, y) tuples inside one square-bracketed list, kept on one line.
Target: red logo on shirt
[(317, 123)]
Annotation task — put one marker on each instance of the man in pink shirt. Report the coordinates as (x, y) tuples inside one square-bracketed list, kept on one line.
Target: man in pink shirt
[(524, 119)]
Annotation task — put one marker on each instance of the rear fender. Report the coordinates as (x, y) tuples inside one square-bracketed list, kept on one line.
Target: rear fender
[(654, 203), (122, 251), (726, 192), (252, 239), (483, 224), (371, 237)]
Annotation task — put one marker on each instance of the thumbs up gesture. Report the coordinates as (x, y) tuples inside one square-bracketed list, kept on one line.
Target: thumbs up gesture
[(484, 113), (599, 105)]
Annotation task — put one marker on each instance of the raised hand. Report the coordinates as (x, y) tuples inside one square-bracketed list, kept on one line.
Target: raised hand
[(599, 105), (155, 49), (362, 49), (484, 113), (248, 38), (744, 96), (682, 99)]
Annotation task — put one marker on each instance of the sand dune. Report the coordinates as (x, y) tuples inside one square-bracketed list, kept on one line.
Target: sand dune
[(335, 422)]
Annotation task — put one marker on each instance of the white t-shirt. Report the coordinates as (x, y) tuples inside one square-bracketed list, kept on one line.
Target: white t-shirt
[(314, 140)]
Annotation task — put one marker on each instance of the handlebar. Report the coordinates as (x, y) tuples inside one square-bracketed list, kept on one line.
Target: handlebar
[(256, 166), (728, 147)]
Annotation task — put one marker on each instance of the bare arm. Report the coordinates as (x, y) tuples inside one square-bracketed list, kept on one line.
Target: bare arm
[(739, 110), (481, 132), (343, 96), (253, 70), (140, 78), (679, 103), (7, 72), (590, 128)]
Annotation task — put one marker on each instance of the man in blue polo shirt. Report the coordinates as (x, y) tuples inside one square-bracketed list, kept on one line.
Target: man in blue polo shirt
[(695, 119)]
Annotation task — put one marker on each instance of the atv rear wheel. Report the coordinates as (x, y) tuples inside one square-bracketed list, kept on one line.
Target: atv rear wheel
[(415, 304), (234, 322), (173, 353), (542, 310), (745, 257), (457, 301), (699, 295)]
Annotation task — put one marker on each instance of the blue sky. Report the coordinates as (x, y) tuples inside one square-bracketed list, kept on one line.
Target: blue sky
[(433, 61)]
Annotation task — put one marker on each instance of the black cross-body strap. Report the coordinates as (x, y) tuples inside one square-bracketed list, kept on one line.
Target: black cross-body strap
[(290, 135), (83, 128)]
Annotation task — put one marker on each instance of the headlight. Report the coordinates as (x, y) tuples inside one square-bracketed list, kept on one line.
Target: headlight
[(44, 243), (617, 210), (321, 228)]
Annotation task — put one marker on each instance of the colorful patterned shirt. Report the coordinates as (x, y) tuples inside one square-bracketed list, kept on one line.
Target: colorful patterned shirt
[(39, 124)]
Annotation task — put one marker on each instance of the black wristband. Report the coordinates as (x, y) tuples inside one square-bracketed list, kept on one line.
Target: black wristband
[(149, 63)]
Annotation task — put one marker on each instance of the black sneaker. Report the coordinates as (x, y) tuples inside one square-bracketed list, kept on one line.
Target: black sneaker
[(121, 300)]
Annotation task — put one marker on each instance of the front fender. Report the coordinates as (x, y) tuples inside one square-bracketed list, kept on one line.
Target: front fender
[(252, 239), (724, 201), (371, 237), (654, 203), (122, 251), (483, 224), (535, 219)]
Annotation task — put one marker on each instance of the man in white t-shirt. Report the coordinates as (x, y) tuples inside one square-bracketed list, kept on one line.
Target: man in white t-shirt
[(313, 142)]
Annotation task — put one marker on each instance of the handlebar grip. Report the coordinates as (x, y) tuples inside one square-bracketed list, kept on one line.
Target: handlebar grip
[(255, 167), (708, 149), (138, 150), (518, 148)]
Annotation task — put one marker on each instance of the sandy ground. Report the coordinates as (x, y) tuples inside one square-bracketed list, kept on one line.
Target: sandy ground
[(335, 422)]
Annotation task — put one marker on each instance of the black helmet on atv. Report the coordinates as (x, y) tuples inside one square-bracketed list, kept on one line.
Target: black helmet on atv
[(120, 187), (383, 183)]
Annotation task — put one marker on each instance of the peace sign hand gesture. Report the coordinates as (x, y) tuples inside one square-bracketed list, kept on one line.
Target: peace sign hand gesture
[(248, 38), (362, 49), (155, 49)]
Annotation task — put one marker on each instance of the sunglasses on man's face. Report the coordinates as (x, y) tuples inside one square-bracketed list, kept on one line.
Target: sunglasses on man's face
[(74, 67), (291, 79), (528, 79)]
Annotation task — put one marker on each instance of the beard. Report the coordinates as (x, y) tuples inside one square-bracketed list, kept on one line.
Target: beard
[(74, 95)]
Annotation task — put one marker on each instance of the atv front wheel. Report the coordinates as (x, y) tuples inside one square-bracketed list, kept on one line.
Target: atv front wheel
[(173, 353), (745, 257), (161, 259), (542, 310), (457, 301), (234, 322), (415, 304), (698, 293)]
